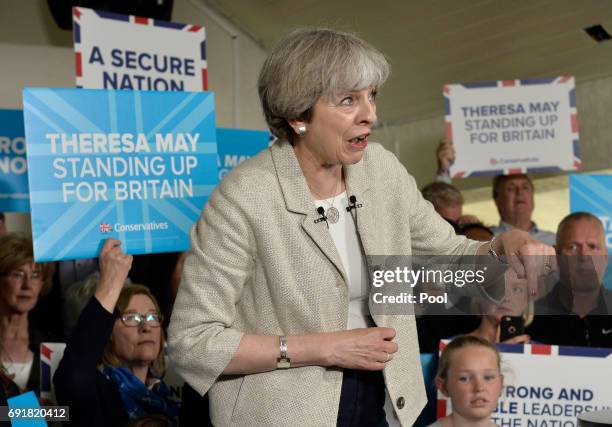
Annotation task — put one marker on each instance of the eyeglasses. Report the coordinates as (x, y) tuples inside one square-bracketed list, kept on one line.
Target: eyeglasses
[(22, 276), (136, 319)]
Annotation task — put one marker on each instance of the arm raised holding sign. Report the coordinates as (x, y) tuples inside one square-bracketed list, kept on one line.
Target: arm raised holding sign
[(113, 359)]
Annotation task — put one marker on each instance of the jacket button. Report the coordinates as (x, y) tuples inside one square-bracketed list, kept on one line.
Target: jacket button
[(400, 402)]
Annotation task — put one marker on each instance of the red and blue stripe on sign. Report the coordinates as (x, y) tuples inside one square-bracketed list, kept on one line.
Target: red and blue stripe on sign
[(45, 366)]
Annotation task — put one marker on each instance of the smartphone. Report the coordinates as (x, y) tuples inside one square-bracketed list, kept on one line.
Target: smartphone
[(510, 327)]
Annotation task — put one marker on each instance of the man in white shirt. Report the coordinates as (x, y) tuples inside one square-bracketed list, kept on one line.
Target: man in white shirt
[(513, 195)]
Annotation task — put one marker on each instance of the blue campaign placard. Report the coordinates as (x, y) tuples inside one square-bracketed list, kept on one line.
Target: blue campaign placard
[(137, 166), (13, 166), (20, 405), (237, 145), (593, 193)]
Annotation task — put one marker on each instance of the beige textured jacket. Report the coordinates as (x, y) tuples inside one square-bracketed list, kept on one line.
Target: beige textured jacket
[(260, 265)]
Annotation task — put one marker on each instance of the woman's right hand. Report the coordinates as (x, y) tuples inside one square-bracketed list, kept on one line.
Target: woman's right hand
[(114, 268), (366, 348), (445, 154)]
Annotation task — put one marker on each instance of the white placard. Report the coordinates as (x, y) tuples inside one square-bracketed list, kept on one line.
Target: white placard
[(116, 51), (513, 126)]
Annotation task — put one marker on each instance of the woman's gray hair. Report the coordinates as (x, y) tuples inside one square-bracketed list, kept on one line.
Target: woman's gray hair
[(313, 63)]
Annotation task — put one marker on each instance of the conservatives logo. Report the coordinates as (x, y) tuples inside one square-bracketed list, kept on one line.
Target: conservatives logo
[(105, 227), (147, 226)]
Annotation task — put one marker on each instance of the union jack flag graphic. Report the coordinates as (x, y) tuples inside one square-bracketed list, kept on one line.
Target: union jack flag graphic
[(105, 227)]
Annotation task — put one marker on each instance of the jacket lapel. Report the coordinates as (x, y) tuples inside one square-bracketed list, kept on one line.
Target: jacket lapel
[(358, 185), (298, 200)]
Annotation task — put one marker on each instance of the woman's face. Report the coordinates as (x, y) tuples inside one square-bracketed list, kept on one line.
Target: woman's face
[(134, 344), (473, 382), (339, 127), (21, 287)]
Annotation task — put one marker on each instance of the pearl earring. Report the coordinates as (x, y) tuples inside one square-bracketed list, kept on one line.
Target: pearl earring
[(301, 130)]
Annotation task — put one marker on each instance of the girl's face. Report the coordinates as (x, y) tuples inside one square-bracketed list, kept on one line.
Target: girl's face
[(473, 383)]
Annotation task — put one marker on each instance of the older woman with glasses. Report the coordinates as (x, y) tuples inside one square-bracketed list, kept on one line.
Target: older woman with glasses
[(22, 281), (111, 369)]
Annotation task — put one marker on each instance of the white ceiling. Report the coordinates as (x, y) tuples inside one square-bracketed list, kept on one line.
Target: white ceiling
[(434, 42)]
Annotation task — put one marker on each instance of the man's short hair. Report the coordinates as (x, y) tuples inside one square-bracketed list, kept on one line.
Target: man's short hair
[(573, 217), (500, 179), (442, 194)]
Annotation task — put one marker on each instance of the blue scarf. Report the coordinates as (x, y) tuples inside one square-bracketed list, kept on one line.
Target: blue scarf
[(138, 399)]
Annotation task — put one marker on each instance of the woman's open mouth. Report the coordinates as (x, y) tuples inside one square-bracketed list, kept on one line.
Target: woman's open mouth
[(359, 141)]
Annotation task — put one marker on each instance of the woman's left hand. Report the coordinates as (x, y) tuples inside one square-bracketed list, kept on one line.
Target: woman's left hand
[(528, 257)]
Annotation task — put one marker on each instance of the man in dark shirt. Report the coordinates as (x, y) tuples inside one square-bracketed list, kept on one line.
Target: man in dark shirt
[(578, 310)]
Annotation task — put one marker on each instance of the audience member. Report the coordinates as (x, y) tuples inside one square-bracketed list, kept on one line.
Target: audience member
[(194, 409), (2, 224), (513, 196), (445, 154), (444, 322), (152, 421), (8, 389), (120, 330), (577, 310), (68, 279), (156, 270), (516, 303), (76, 298), (469, 373), (448, 202), (22, 281), (175, 280), (434, 325)]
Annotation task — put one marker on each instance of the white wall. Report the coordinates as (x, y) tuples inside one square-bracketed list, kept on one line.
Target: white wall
[(234, 60), (34, 52)]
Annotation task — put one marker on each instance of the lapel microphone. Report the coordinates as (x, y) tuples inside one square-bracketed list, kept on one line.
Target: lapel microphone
[(353, 204), (321, 212)]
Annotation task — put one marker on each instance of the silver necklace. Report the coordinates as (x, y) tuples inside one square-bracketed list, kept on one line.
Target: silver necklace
[(332, 214)]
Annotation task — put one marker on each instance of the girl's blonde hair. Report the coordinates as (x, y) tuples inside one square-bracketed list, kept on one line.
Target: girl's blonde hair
[(459, 343)]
